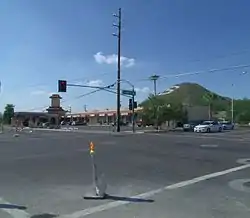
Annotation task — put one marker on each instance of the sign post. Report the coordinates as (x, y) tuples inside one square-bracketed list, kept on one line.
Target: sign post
[(133, 94), (99, 194)]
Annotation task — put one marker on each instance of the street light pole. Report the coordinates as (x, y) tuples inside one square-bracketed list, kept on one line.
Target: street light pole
[(232, 107), (232, 101), (70, 112), (0, 112), (118, 113)]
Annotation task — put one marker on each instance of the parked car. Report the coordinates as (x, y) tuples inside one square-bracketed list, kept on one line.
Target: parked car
[(227, 125), (208, 126), (191, 124)]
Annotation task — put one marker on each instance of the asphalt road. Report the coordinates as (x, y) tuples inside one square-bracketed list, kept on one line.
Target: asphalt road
[(107, 128), (171, 175)]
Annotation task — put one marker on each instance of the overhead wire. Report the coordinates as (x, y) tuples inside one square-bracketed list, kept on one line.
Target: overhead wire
[(105, 88), (161, 77)]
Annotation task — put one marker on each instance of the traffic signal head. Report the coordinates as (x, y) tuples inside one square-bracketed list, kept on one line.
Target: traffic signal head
[(62, 85), (130, 104), (135, 104)]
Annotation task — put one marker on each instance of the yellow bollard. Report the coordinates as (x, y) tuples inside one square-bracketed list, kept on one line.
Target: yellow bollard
[(91, 148)]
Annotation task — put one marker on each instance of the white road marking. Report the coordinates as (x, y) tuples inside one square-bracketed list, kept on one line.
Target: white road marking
[(107, 206), (209, 146), (243, 161), (242, 140), (14, 212), (34, 156), (238, 185)]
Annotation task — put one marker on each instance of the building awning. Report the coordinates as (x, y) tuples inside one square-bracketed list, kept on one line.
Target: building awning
[(92, 115), (124, 114), (101, 115), (110, 115)]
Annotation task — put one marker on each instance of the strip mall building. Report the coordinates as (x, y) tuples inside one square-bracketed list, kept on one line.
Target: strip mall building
[(55, 114), (103, 116)]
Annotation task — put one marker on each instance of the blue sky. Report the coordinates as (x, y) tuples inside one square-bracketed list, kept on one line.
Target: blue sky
[(42, 41)]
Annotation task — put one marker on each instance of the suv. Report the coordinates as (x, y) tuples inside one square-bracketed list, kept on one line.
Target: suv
[(190, 125)]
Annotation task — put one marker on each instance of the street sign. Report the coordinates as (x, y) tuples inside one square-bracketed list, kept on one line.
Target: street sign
[(128, 92)]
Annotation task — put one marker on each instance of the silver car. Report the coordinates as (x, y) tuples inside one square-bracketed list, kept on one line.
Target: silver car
[(227, 125)]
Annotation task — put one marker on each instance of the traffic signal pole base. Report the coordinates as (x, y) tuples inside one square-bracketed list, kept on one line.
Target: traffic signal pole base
[(95, 197)]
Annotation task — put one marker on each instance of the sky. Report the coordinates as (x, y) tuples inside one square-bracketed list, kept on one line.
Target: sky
[(43, 41)]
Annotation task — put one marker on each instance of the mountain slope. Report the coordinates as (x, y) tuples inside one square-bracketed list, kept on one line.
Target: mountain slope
[(194, 95)]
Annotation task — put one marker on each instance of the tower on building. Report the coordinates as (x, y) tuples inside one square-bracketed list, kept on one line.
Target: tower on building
[(55, 106)]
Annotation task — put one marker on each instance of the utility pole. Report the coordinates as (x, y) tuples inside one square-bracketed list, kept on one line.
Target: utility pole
[(154, 78), (232, 107), (118, 35)]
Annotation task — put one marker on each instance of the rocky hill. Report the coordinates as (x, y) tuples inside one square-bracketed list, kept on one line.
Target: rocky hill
[(194, 95)]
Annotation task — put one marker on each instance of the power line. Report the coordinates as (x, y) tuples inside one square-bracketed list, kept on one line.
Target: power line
[(197, 72), (161, 77), (206, 71), (106, 88)]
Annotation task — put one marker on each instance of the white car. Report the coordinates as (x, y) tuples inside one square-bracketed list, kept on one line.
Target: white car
[(208, 126), (227, 125)]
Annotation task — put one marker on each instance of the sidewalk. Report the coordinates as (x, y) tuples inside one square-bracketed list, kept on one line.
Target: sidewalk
[(76, 130), (164, 130)]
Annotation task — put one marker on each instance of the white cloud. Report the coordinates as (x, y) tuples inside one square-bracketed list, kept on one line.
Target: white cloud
[(100, 58), (97, 82), (142, 90)]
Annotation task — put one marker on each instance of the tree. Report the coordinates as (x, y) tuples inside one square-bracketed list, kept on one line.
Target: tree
[(157, 112), (8, 113)]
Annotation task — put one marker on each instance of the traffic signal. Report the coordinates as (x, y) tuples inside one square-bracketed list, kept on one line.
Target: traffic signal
[(135, 104), (62, 85), (130, 104)]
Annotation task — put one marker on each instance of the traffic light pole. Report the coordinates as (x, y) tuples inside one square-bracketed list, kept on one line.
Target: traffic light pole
[(133, 110), (133, 102)]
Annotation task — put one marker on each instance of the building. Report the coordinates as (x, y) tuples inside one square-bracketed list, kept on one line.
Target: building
[(198, 113), (108, 116), (36, 119), (102, 116)]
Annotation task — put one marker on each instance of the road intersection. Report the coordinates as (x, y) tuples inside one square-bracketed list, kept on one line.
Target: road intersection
[(46, 174)]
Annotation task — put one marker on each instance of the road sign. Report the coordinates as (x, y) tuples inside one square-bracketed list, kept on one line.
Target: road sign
[(128, 92)]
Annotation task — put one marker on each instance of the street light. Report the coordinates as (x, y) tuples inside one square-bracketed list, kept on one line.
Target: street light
[(232, 100)]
